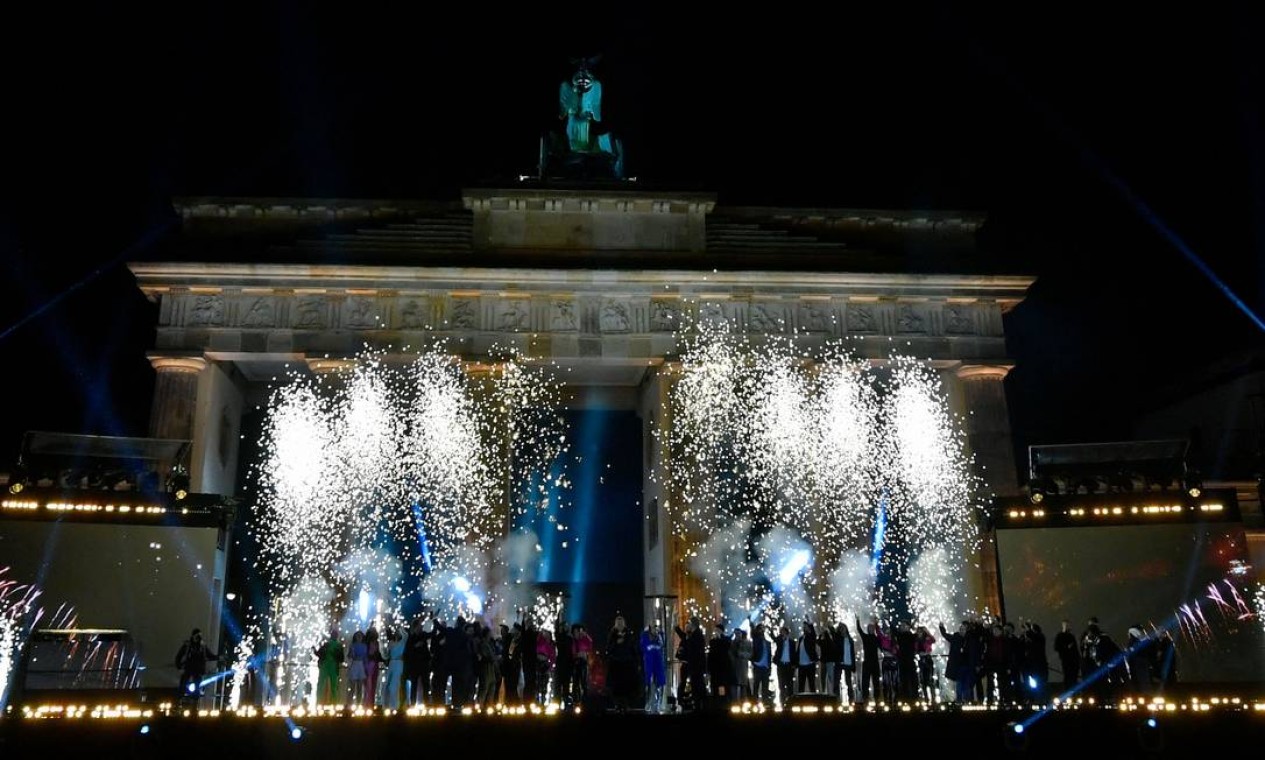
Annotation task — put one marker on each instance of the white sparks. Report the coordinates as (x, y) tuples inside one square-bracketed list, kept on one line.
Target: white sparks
[(818, 487), (389, 482)]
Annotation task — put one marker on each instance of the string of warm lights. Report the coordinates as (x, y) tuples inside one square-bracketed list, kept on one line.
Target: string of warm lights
[(1103, 512), (52, 510), (1194, 705), (59, 507)]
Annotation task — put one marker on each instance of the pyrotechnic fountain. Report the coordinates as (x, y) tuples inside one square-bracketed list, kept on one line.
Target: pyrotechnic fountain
[(17, 616), (394, 482), (822, 487)]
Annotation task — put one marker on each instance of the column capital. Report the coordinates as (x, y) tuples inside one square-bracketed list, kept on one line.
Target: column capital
[(984, 371), (327, 366), (163, 363)]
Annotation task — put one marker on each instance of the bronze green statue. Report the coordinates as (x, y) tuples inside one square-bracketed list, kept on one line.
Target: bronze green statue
[(585, 149)]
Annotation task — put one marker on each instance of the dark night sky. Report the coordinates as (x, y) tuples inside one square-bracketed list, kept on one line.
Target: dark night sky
[(1022, 117)]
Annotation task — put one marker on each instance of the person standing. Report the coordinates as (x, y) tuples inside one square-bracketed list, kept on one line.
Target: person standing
[(806, 662), (829, 646), (847, 660), (719, 666), (785, 656), (500, 644), (906, 660), (564, 668), (1140, 657), (459, 661), (329, 658), (654, 667), (417, 664), (959, 668), (869, 660), (527, 648), (924, 643), (440, 639), (487, 664), (512, 665), (1069, 653), (693, 654), (192, 659), (740, 658), (621, 656), (396, 648), (1036, 662), (373, 658), (1165, 659), (761, 664), (546, 658), (357, 654), (582, 646)]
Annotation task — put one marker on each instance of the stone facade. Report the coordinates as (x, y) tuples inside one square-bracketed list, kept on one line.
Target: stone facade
[(601, 282)]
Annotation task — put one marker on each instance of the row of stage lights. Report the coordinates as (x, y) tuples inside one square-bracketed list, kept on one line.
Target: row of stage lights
[(1153, 705), (177, 482), (1039, 489), (60, 507), (1148, 510), (1015, 734)]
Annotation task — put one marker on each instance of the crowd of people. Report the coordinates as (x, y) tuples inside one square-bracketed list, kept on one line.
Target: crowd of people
[(470, 663)]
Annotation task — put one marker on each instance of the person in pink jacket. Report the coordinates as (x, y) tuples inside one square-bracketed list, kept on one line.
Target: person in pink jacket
[(546, 656), (582, 648)]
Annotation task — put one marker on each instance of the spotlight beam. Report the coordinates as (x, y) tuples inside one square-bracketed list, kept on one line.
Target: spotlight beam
[(1065, 133), (141, 243)]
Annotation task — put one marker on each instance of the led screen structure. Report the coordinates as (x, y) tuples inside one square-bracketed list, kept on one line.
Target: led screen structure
[(136, 590), (1193, 578)]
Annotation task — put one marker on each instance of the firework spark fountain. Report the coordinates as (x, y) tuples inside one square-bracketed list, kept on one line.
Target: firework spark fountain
[(861, 471), (1259, 599), (18, 615), (393, 484)]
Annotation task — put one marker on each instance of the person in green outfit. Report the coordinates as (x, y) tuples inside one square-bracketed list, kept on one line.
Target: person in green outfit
[(329, 656)]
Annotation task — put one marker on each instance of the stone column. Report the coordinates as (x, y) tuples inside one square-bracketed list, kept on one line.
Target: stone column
[(666, 550), (217, 424), (663, 549), (987, 423), (175, 396), (654, 410)]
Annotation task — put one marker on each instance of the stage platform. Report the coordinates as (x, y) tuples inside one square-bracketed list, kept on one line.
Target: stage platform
[(1128, 731)]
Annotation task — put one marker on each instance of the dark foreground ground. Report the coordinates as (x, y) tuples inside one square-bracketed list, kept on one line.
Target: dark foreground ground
[(1080, 733)]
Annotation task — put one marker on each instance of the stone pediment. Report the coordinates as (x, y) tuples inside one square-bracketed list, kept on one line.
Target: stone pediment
[(588, 220)]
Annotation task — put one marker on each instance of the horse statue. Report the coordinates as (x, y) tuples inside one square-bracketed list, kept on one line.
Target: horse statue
[(583, 148)]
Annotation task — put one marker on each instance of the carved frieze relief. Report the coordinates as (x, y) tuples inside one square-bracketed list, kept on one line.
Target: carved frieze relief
[(765, 318), (665, 316), (862, 318), (310, 312), (563, 316), (259, 312), (412, 313), (909, 319), (361, 313), (711, 312), (814, 316), (206, 311), (959, 319), (614, 317), (513, 315), (465, 314)]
